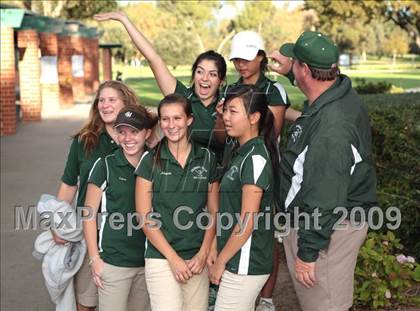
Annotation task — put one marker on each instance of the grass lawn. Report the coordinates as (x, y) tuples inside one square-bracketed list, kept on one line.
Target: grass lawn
[(403, 74)]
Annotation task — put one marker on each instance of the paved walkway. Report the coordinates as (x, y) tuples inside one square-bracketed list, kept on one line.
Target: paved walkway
[(31, 164)]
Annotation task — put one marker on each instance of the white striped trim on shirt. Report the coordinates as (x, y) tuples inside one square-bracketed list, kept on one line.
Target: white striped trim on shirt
[(297, 178)]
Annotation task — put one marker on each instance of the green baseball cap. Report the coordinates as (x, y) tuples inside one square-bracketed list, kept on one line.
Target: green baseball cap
[(314, 49)]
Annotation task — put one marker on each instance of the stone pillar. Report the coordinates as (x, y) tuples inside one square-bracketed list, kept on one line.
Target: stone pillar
[(95, 56), (88, 65), (107, 63), (65, 70), (78, 81), (50, 90), (7, 83), (29, 75)]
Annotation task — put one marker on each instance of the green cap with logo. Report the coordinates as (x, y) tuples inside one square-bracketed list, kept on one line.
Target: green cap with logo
[(314, 49)]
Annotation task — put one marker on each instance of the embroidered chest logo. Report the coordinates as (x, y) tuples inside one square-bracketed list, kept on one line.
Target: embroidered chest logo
[(297, 131), (165, 173), (232, 172), (122, 178), (199, 172)]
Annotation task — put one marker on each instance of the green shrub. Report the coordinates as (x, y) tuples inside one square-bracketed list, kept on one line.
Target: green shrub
[(364, 87), (396, 136), (384, 279)]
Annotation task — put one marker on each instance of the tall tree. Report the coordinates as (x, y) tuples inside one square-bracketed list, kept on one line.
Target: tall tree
[(338, 14), (275, 24), (70, 9), (177, 47), (193, 16)]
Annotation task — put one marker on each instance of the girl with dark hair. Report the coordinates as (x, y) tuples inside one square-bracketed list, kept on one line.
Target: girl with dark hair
[(250, 61), (117, 252), (176, 182), (208, 73), (96, 139), (244, 261)]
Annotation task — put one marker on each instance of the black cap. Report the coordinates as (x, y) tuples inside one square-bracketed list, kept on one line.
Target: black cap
[(133, 119)]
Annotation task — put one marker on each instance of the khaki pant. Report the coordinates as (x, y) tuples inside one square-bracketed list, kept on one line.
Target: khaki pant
[(85, 289), (166, 294), (239, 292), (334, 270), (124, 289)]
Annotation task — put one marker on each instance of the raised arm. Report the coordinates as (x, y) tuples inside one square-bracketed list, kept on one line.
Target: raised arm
[(166, 81)]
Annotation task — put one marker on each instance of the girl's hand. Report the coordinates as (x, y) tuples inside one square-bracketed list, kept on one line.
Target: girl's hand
[(219, 107), (216, 272), (197, 263), (116, 16), (57, 239), (211, 258), (284, 64), (180, 269), (97, 267)]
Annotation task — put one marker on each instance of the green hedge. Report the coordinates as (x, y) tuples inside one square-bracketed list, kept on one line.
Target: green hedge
[(395, 120)]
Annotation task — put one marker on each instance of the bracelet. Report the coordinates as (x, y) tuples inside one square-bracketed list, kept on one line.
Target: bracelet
[(92, 259)]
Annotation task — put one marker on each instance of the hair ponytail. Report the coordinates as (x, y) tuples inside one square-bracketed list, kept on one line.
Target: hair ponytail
[(270, 139)]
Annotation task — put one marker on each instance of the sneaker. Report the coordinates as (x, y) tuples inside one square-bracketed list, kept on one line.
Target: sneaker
[(265, 306), (212, 297)]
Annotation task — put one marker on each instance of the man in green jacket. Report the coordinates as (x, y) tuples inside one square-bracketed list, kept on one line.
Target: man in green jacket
[(326, 172)]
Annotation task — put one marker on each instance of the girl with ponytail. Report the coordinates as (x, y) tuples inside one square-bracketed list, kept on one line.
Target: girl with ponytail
[(242, 258)]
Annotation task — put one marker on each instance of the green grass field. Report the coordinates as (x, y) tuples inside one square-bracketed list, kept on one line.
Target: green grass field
[(404, 74)]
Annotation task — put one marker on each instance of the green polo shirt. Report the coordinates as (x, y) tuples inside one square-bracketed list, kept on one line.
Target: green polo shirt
[(79, 164), (204, 118), (179, 194), (250, 165), (275, 92), (120, 243)]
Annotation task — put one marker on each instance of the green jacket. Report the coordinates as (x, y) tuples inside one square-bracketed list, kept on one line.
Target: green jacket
[(327, 164)]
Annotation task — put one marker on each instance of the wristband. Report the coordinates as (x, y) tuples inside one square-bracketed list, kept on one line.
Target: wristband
[(92, 259)]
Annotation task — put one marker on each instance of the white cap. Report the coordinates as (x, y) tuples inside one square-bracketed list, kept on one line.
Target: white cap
[(245, 45)]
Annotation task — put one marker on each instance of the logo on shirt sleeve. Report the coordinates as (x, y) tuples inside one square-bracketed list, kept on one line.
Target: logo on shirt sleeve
[(297, 131), (232, 172)]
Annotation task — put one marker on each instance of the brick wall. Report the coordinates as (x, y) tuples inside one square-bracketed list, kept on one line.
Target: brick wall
[(95, 55), (65, 70), (7, 83), (29, 75), (50, 91), (88, 65), (107, 64), (48, 44), (78, 82)]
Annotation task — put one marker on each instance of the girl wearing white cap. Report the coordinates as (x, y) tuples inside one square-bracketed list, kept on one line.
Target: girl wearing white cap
[(250, 61)]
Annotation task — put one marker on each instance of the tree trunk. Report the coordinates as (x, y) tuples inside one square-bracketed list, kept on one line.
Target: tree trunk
[(200, 42), (226, 39)]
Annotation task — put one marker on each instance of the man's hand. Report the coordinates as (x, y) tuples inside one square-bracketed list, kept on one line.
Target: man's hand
[(283, 63), (305, 272)]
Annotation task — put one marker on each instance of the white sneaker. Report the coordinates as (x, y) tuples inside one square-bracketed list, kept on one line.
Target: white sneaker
[(265, 306)]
